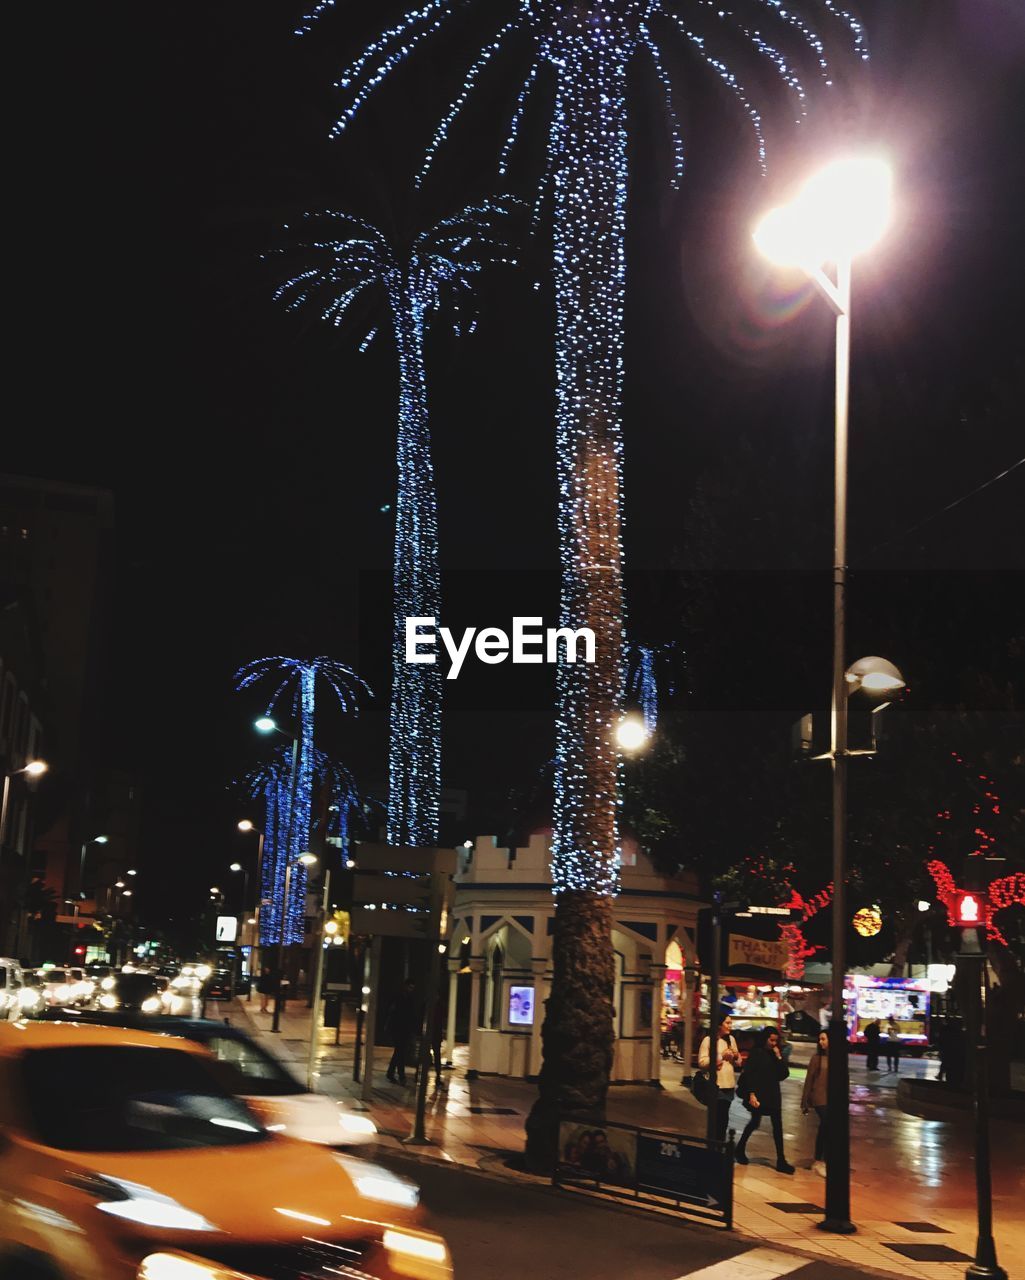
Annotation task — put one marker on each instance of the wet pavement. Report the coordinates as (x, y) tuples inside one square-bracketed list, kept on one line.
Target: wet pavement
[(913, 1186)]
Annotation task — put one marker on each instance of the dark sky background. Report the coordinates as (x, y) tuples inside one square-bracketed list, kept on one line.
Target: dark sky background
[(250, 451)]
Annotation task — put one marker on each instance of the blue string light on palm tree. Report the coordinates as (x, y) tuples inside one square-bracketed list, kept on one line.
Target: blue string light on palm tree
[(292, 799), (271, 783), (581, 51), (343, 258)]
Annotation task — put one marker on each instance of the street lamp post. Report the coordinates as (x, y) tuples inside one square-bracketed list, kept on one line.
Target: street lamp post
[(318, 975), (267, 724), (971, 918), (245, 825), (34, 769), (839, 213)]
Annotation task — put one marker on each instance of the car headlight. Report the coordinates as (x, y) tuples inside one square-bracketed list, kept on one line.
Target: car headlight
[(108, 984), (421, 1248), (357, 1124), (108, 1001), (176, 1266), (138, 1203), (29, 999), (63, 991), (151, 1005), (388, 1190)]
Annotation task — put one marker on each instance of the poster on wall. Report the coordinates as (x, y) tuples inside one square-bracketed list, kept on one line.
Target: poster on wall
[(521, 1006)]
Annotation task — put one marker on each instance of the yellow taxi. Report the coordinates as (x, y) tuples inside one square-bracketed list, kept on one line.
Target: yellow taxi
[(123, 1157)]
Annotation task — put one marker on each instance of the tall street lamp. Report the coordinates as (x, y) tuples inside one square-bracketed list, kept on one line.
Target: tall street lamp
[(840, 213), (34, 769), (246, 826)]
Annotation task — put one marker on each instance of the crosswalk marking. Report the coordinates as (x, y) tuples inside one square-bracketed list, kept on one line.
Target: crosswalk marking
[(756, 1264)]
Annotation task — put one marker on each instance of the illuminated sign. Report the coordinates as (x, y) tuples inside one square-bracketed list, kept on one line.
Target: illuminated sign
[(521, 1006), (969, 909), (227, 928)]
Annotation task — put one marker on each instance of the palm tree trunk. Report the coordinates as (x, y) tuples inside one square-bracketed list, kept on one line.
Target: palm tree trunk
[(414, 760), (589, 172)]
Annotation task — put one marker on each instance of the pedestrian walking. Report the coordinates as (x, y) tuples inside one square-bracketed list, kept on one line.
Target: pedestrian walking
[(400, 1025), (872, 1034), (760, 1093), (727, 1058), (265, 986), (892, 1046), (814, 1097), (438, 1023)]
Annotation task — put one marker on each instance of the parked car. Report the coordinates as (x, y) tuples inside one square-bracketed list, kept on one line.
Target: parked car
[(11, 983), (122, 1156)]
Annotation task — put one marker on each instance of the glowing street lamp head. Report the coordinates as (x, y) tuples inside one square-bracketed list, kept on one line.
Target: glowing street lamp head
[(101, 839), (245, 825), (265, 724), (308, 859), (235, 866), (36, 768), (631, 734), (841, 212), (875, 676)]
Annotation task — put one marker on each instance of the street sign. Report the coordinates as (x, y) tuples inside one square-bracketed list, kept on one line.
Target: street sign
[(391, 924), (227, 929), (683, 1169), (406, 859), (648, 1167), (403, 890)]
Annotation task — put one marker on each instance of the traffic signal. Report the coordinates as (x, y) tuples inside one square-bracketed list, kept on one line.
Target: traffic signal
[(969, 908)]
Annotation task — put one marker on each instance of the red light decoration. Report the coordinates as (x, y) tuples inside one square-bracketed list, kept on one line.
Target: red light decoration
[(798, 950), (1008, 891)]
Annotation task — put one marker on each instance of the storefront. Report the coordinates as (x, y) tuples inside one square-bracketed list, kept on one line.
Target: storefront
[(500, 956)]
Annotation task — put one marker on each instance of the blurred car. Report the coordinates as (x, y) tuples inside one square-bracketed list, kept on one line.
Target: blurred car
[(133, 992), (57, 987), (249, 1071), (31, 999), (122, 1158), (219, 985), (82, 987), (284, 1105), (11, 982)]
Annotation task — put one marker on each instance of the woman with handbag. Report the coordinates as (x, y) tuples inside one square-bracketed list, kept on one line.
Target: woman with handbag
[(727, 1058), (760, 1093)]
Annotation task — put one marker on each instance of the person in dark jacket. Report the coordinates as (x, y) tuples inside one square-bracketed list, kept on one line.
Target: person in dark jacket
[(872, 1037), (759, 1092), (401, 1025), (265, 986)]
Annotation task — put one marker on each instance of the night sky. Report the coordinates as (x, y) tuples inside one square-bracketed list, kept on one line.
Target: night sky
[(250, 451)]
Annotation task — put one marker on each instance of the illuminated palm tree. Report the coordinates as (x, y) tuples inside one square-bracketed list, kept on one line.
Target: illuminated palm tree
[(344, 258), (579, 53), (293, 792)]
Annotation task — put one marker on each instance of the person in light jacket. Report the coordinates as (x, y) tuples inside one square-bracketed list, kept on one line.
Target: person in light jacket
[(727, 1060), (814, 1097)]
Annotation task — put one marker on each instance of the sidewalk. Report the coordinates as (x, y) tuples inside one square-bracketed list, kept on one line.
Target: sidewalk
[(912, 1181)]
